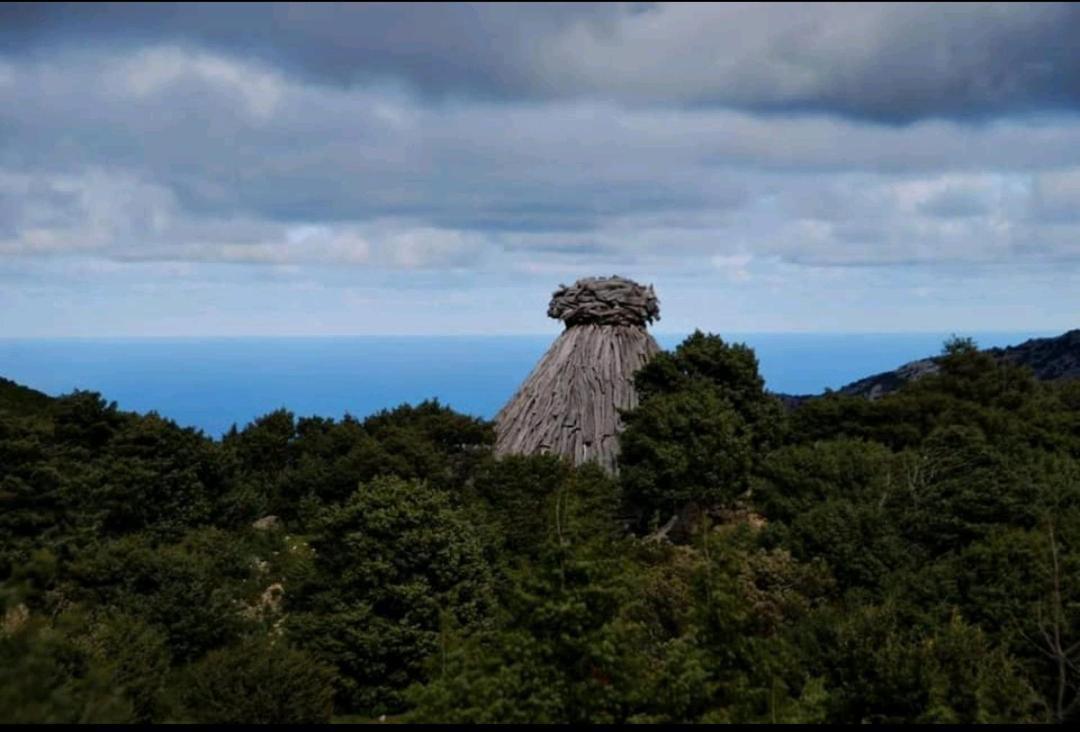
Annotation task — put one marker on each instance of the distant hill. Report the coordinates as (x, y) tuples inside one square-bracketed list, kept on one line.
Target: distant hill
[(1050, 358)]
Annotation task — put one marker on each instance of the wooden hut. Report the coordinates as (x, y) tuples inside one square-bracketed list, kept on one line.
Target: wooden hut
[(569, 405)]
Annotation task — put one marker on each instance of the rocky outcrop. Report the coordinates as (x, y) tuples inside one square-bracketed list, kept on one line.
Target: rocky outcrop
[(874, 387), (15, 617), (266, 523)]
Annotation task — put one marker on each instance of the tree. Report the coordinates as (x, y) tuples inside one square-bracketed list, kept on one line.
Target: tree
[(387, 564), (559, 652), (691, 445), (732, 369), (190, 590), (890, 670), (703, 422), (45, 676)]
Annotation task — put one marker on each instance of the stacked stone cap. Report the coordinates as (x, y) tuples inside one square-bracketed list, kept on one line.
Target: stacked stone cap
[(605, 301)]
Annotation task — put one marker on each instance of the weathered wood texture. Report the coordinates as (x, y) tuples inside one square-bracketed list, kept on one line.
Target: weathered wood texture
[(569, 403), (606, 301)]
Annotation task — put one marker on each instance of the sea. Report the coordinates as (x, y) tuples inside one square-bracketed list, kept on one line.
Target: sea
[(214, 383)]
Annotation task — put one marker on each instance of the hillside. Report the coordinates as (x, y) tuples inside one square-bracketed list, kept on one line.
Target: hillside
[(1050, 358), (852, 561), (18, 399)]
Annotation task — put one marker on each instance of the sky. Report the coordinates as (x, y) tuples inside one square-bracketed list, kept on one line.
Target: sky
[(216, 170)]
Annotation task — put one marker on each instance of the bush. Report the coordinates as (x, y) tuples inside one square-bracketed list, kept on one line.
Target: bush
[(258, 681), (46, 677)]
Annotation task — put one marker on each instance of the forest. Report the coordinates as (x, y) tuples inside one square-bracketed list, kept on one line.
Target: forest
[(914, 558)]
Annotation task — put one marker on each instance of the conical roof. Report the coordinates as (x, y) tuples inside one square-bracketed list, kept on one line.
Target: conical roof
[(569, 405)]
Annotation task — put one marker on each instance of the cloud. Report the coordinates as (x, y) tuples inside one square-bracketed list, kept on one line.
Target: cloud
[(894, 63), (63, 213), (172, 160), (437, 48), (763, 163), (118, 217), (734, 266), (885, 62), (1057, 197), (165, 70), (880, 220)]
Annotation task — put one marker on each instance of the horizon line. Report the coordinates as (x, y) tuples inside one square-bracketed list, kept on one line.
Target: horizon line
[(242, 336)]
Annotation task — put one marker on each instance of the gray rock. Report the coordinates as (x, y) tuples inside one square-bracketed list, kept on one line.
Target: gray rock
[(267, 523)]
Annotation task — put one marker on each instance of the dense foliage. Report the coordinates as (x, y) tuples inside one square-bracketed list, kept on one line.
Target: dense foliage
[(910, 559)]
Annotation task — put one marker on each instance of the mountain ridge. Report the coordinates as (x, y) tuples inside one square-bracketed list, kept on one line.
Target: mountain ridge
[(1051, 358)]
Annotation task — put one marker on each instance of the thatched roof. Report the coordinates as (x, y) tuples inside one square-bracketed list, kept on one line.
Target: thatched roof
[(569, 404), (604, 301)]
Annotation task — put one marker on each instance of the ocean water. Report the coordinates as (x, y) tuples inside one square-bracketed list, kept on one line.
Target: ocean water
[(212, 383)]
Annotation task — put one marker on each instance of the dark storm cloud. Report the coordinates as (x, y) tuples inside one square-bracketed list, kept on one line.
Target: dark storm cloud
[(251, 138), (891, 63), (437, 47)]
